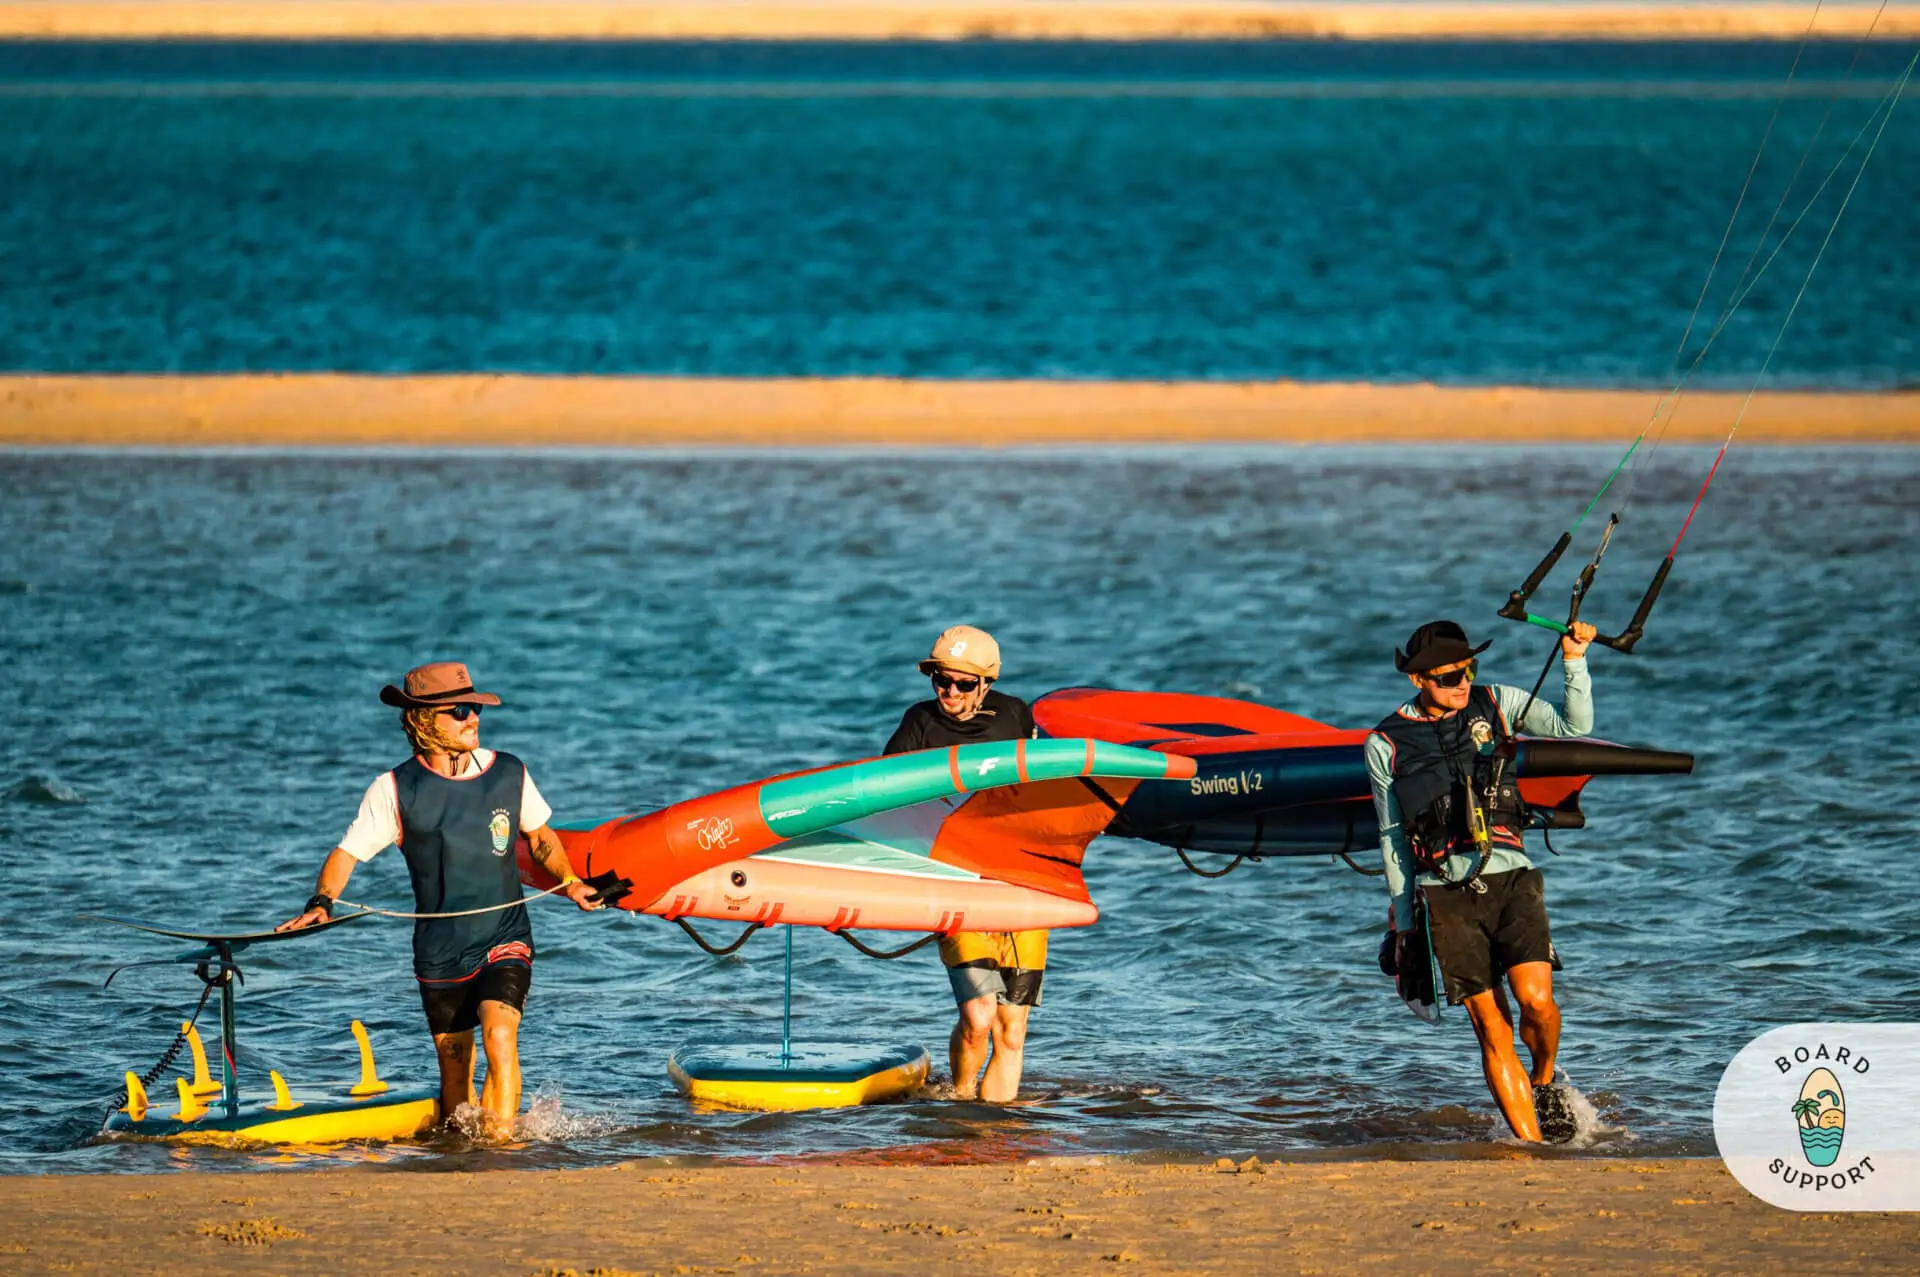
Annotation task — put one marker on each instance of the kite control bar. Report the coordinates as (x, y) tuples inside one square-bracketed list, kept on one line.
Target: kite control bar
[(1623, 642)]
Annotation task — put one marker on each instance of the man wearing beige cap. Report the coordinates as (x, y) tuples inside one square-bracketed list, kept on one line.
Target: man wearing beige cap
[(454, 810), (996, 975)]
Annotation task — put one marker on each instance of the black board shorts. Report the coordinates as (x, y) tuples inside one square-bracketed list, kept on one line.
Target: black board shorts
[(453, 1006), (1478, 936)]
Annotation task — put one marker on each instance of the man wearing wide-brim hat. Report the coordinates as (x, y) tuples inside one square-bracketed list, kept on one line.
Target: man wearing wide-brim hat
[(1452, 828), (455, 810), (995, 975)]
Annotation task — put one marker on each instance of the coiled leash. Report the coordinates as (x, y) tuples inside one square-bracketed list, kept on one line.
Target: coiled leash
[(168, 1056)]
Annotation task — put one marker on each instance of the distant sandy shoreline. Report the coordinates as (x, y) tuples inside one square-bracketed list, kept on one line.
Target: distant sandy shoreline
[(937, 19), (1519, 1214), (517, 411)]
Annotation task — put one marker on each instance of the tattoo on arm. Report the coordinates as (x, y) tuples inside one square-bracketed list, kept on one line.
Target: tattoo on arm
[(551, 855)]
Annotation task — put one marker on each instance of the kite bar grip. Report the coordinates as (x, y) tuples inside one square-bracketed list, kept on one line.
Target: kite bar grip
[(1624, 641), (1516, 607)]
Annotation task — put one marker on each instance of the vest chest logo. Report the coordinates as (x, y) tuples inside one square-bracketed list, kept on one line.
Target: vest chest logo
[(501, 828), (1482, 733)]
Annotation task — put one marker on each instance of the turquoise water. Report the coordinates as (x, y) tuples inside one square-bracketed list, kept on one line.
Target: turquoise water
[(1453, 213), (193, 645)]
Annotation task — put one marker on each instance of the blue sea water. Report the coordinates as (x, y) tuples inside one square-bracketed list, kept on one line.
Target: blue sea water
[(192, 645), (1456, 212)]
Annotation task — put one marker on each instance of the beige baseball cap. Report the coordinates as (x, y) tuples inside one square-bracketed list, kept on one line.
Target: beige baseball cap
[(964, 648)]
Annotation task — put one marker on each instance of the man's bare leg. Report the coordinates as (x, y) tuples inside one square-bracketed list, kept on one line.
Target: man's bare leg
[(500, 1096), (455, 1051), (1002, 1082), (1539, 1016), (1511, 1088), (967, 1048)]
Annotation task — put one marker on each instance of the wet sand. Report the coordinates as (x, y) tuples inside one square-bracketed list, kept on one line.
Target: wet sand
[(937, 19), (489, 411), (1495, 1216)]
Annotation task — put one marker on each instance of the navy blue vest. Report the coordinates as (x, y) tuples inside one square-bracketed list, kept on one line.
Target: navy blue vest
[(1435, 760), (457, 837)]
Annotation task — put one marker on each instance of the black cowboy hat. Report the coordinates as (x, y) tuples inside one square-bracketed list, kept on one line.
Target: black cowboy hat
[(1435, 644)]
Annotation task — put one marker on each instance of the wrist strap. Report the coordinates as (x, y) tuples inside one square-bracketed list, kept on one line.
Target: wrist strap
[(320, 901)]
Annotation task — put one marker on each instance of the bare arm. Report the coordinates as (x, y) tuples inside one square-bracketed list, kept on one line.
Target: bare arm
[(333, 880), (547, 852)]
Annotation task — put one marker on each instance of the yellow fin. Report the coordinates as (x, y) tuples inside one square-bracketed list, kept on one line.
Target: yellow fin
[(369, 1083), (191, 1108), (203, 1083), (282, 1101), (137, 1104)]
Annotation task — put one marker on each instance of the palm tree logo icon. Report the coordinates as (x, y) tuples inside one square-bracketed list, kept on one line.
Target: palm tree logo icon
[(1821, 1115)]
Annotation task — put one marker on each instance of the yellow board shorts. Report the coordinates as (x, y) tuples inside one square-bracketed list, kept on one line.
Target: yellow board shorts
[(1007, 966), (1014, 950)]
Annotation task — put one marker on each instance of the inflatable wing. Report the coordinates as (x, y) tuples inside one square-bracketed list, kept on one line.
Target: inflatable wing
[(976, 837), (1270, 783)]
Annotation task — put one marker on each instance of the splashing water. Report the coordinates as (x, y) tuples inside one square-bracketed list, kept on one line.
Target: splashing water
[(545, 1120)]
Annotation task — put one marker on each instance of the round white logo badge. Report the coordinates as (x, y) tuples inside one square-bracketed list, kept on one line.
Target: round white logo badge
[(1825, 1117)]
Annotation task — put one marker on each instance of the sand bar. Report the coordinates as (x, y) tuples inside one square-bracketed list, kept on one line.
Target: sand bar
[(1497, 1216), (509, 411), (939, 19)]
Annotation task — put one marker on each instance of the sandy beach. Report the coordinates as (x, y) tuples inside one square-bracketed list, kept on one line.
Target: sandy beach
[(936, 19), (503, 411), (1497, 1216)]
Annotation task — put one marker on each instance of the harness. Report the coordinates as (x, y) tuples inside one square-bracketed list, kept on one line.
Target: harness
[(1455, 786)]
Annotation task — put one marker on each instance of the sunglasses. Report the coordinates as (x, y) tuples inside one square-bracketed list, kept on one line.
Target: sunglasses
[(461, 713), (1453, 678), (946, 681)]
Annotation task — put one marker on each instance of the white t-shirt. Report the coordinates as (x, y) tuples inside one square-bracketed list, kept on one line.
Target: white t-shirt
[(377, 827)]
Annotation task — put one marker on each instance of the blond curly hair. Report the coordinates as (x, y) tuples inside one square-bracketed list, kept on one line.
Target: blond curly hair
[(422, 726)]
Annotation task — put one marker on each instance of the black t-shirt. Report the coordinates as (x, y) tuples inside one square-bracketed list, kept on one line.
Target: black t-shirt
[(923, 726)]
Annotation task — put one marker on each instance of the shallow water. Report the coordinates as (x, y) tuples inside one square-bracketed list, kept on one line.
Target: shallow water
[(1453, 212), (193, 643)]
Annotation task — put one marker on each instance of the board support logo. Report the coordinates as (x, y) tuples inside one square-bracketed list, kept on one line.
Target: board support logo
[(1825, 1117)]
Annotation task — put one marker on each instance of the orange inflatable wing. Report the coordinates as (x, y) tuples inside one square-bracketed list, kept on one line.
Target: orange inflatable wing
[(1033, 836), (653, 852)]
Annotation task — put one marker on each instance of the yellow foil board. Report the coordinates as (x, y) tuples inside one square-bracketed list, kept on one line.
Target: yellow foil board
[(813, 1077), (394, 1117)]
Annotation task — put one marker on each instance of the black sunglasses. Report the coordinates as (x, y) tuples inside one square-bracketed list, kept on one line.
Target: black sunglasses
[(1453, 678), (461, 713), (948, 681)]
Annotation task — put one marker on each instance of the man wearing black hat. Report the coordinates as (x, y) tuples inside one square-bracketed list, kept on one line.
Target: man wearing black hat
[(455, 811), (1451, 826)]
